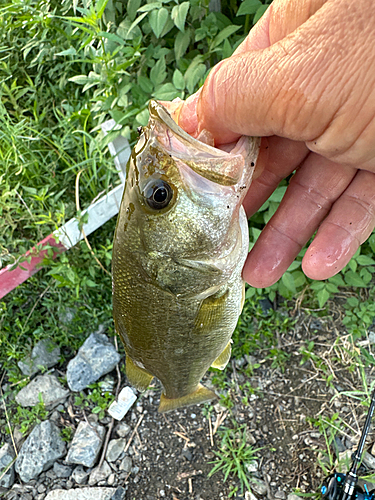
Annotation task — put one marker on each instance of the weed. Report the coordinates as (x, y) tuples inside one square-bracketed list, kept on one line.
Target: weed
[(95, 400), (27, 418), (234, 455)]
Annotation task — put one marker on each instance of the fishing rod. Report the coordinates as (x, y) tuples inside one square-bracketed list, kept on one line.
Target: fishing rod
[(340, 486)]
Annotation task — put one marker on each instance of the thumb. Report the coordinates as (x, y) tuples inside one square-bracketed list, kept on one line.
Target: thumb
[(307, 86)]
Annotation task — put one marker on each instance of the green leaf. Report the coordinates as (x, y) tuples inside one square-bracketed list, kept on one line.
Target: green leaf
[(299, 278), (145, 84), (194, 73), (68, 52), (158, 19), (248, 7), (317, 285), (112, 37), (80, 79), (143, 117), (278, 194), (352, 301), (371, 242), (364, 260), (178, 80), (150, 6), (158, 73), (179, 13), (100, 7), (166, 92), (294, 265), (288, 281), (135, 23), (250, 292), (133, 6), (225, 33), (181, 43), (322, 296), (259, 13), (353, 279), (353, 265), (337, 280)]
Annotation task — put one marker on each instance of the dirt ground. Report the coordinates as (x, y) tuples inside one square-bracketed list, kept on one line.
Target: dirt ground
[(171, 453)]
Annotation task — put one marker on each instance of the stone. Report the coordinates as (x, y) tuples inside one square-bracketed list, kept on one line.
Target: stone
[(114, 450), (44, 355), (280, 494), (369, 460), (126, 464), (95, 358), (266, 306), (80, 475), (62, 470), (259, 486), (250, 496), (86, 444), (48, 386), (40, 450), (119, 494), (123, 429), (293, 496), (100, 473), (81, 494), (6, 458), (252, 467)]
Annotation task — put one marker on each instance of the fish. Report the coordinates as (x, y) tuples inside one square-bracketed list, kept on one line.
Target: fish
[(180, 243)]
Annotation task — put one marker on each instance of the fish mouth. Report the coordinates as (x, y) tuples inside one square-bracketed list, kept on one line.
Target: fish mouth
[(232, 165)]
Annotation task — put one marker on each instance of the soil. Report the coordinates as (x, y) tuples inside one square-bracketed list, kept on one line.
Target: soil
[(173, 451)]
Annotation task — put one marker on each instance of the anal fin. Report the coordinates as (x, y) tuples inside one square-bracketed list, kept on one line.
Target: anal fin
[(222, 360), (200, 395), (138, 377)]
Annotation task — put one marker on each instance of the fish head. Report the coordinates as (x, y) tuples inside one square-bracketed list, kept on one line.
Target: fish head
[(182, 201)]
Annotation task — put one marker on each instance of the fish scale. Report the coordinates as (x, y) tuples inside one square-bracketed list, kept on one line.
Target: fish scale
[(180, 244)]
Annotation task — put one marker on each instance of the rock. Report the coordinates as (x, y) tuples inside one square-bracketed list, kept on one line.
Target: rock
[(252, 467), (250, 496), (259, 487), (123, 429), (280, 494), (96, 357), (187, 454), (67, 315), (345, 458), (369, 460), (293, 496), (44, 355), (118, 409), (339, 445), (81, 494), (40, 450), (62, 470), (6, 458), (119, 494), (371, 337), (80, 475), (266, 306), (86, 444), (126, 465), (48, 386), (99, 474), (114, 450)]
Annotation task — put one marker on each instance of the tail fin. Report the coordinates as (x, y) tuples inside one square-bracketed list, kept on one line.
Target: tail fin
[(200, 395)]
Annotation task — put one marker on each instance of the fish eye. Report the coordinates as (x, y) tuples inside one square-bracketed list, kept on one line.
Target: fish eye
[(158, 194)]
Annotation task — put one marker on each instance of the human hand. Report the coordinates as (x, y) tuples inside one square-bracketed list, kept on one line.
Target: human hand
[(304, 80)]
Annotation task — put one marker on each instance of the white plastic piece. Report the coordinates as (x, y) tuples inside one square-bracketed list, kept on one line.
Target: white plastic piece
[(99, 213), (125, 401), (106, 207)]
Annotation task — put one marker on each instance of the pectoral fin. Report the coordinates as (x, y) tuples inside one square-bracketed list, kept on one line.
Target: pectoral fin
[(222, 360), (201, 395), (138, 377)]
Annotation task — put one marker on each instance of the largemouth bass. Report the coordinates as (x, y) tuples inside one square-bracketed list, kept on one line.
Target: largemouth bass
[(180, 244)]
